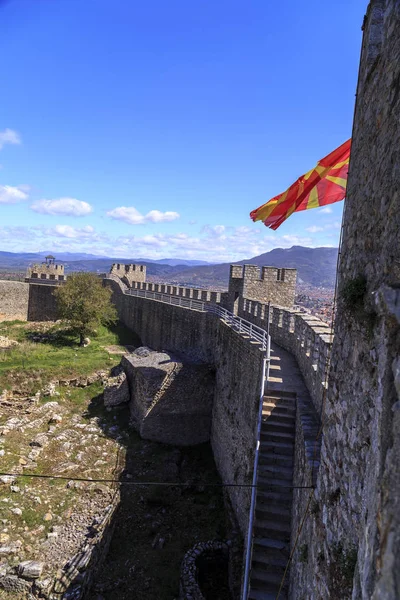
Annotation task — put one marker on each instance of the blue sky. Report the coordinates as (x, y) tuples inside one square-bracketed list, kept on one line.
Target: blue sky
[(153, 128)]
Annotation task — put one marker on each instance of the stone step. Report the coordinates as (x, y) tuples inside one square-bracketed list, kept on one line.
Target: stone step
[(266, 429), (276, 471), (259, 595), (268, 445), (281, 403), (271, 393), (273, 512), (268, 498), (268, 563), (283, 408), (288, 418), (267, 582), (271, 444), (275, 485), (277, 426), (276, 530), (276, 413), (271, 548), (274, 458)]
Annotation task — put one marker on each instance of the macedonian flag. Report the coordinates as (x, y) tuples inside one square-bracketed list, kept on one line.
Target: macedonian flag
[(325, 184)]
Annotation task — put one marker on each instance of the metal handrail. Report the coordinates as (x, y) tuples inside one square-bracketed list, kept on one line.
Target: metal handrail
[(249, 547), (240, 325), (168, 298)]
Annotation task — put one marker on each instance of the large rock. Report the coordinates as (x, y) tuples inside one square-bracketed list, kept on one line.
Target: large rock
[(30, 569), (12, 583), (170, 401), (116, 390)]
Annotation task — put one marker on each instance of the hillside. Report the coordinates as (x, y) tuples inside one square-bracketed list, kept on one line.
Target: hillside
[(316, 266)]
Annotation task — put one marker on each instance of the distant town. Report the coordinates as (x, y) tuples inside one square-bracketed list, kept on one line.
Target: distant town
[(316, 301)]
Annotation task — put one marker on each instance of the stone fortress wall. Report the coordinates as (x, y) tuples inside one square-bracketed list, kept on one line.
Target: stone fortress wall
[(14, 300), (201, 336)]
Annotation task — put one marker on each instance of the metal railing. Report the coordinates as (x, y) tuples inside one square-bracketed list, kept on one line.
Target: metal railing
[(168, 299), (249, 547), (240, 325)]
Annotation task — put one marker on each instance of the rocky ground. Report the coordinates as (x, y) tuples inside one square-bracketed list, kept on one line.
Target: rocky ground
[(42, 519), (64, 430)]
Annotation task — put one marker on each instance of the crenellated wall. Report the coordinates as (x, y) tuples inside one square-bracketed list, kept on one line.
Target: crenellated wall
[(130, 274), (182, 292), (262, 284), (306, 337)]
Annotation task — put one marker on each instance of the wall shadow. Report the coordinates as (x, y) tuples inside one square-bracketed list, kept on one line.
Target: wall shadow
[(154, 525)]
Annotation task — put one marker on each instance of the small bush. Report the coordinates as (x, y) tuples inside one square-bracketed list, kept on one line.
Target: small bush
[(303, 554), (354, 297), (353, 293), (342, 569)]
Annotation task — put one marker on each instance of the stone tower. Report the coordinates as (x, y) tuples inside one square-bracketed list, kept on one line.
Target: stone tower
[(265, 284), (48, 271), (129, 273)]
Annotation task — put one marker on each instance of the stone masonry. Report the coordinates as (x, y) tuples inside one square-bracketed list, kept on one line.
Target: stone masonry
[(170, 400), (350, 544), (265, 284), (47, 270), (14, 299), (129, 273)]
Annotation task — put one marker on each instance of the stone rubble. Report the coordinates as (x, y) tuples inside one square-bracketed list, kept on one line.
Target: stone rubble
[(79, 532)]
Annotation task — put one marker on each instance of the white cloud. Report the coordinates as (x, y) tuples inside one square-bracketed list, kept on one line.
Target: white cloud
[(156, 216), (314, 229), (326, 211), (131, 215), (62, 206), (72, 232), (12, 195), (9, 136)]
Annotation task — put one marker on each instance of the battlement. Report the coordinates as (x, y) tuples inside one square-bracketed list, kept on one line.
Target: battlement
[(265, 284), (129, 273), (48, 271)]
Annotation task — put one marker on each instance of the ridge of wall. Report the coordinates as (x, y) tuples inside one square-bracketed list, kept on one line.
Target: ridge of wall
[(181, 291)]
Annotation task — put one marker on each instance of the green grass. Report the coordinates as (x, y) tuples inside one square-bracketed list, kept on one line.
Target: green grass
[(58, 357)]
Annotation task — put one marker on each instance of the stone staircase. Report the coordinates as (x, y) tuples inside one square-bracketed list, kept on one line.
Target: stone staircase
[(271, 534)]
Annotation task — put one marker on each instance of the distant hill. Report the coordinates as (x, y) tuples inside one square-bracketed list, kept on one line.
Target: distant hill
[(316, 266), (173, 262)]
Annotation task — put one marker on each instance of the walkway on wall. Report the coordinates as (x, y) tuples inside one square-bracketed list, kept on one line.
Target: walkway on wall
[(272, 528)]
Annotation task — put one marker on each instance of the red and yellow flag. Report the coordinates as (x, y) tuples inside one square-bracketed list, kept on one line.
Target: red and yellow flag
[(325, 184)]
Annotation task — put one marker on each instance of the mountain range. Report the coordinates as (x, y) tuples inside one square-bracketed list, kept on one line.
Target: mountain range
[(315, 266)]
